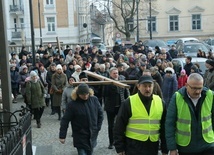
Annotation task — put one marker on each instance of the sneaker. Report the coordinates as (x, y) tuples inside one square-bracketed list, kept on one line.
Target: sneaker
[(39, 125)]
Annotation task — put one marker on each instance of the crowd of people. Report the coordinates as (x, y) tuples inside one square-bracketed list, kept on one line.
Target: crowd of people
[(164, 108)]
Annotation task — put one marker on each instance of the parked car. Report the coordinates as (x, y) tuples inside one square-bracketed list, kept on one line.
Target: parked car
[(179, 63), (210, 42), (184, 40), (190, 48), (97, 41), (155, 42)]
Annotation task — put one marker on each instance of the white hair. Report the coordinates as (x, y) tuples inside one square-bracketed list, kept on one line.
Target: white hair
[(102, 66)]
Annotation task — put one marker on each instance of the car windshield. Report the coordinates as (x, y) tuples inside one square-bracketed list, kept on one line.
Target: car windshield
[(194, 48), (101, 46), (153, 43)]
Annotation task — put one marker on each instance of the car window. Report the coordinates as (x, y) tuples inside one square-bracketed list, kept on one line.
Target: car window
[(202, 66), (194, 48), (156, 43)]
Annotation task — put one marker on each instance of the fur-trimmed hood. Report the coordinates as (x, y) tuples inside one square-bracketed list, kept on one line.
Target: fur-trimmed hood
[(74, 95)]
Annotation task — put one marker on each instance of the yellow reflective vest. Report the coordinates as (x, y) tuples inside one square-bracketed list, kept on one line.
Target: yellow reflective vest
[(183, 132), (142, 126)]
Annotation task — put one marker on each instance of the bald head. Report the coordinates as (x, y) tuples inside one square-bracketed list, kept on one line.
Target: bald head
[(195, 77)]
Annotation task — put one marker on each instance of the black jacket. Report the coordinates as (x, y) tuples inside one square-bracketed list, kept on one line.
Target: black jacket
[(131, 146), (86, 119), (114, 96)]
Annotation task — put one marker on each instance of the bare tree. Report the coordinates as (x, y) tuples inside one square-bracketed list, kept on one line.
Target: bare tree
[(122, 12)]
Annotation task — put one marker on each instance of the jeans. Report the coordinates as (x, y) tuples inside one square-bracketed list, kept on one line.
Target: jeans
[(84, 152)]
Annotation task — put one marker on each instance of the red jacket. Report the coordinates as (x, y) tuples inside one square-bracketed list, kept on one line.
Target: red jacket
[(182, 80)]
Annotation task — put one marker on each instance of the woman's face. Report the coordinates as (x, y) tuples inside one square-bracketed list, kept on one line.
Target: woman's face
[(59, 71), (71, 80)]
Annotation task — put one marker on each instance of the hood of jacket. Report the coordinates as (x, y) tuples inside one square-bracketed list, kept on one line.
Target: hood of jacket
[(74, 95)]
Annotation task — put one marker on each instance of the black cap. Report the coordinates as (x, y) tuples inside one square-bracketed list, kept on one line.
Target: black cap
[(119, 65), (210, 62), (145, 79), (13, 53), (83, 75), (82, 89)]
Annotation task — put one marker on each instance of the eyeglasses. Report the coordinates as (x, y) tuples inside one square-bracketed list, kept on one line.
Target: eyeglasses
[(195, 88)]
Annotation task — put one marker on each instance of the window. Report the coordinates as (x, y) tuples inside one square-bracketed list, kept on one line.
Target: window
[(153, 20), (49, 2), (130, 22), (196, 22), (173, 23), (51, 24), (22, 23)]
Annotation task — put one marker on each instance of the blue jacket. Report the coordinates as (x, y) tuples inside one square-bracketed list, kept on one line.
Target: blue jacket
[(169, 87), (197, 143)]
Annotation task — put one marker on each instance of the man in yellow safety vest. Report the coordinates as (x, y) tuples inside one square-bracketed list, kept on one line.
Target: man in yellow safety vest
[(190, 119), (140, 122)]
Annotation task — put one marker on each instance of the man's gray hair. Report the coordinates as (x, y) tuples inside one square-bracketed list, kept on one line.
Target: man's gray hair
[(112, 69), (195, 77)]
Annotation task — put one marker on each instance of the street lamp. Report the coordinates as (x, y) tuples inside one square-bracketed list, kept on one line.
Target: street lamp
[(150, 19), (32, 32), (137, 1), (40, 27)]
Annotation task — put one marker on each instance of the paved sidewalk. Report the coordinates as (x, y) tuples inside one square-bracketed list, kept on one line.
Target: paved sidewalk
[(45, 139)]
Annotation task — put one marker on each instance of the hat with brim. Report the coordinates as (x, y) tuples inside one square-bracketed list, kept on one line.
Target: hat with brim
[(145, 79)]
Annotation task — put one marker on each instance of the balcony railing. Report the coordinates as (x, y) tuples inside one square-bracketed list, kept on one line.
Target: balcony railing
[(16, 35), (16, 9)]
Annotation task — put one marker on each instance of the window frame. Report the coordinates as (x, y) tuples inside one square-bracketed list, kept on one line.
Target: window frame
[(173, 22), (154, 29), (195, 25), (51, 24)]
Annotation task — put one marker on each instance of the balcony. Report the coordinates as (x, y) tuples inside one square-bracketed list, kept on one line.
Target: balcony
[(17, 9), (16, 35)]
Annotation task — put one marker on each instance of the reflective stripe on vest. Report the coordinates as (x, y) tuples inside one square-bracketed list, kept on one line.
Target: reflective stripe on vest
[(142, 126), (183, 133)]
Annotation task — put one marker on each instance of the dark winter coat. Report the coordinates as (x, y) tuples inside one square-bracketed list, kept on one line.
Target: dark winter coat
[(14, 75), (114, 96), (35, 94), (86, 120), (132, 72), (158, 78), (169, 87), (187, 68)]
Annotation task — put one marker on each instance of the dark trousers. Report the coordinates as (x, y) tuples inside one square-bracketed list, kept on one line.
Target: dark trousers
[(209, 151), (84, 152), (111, 120), (58, 111), (14, 92), (38, 114)]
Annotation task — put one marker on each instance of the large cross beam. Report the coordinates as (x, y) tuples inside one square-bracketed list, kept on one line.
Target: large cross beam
[(105, 81)]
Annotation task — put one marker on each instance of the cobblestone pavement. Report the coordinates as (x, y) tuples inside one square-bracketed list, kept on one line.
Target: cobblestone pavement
[(46, 141), (46, 138)]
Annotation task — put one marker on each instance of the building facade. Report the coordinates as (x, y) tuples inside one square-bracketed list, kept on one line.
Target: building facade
[(52, 18), (172, 19)]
